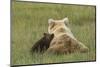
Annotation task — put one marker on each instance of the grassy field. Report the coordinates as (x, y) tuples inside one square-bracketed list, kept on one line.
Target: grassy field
[(30, 21)]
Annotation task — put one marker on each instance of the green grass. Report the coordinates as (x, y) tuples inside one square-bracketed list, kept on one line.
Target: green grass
[(30, 21)]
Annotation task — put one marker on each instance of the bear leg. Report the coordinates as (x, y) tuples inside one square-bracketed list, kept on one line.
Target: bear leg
[(83, 48)]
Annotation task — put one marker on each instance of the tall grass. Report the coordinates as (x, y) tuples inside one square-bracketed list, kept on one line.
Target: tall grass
[(30, 21)]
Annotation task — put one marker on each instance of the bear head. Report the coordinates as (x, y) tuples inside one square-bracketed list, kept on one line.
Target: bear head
[(53, 24), (48, 36)]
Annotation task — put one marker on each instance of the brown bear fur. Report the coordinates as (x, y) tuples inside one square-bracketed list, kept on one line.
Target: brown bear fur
[(64, 40)]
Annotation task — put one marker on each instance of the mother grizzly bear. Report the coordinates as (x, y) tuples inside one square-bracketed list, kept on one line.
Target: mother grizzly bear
[(64, 41)]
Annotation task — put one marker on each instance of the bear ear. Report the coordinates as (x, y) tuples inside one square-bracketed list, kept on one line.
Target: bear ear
[(52, 35), (66, 21), (45, 34), (50, 21)]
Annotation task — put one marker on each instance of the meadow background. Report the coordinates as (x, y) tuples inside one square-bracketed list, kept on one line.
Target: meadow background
[(30, 21)]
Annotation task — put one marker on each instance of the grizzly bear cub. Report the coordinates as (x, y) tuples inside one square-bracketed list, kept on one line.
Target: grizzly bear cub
[(42, 44)]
